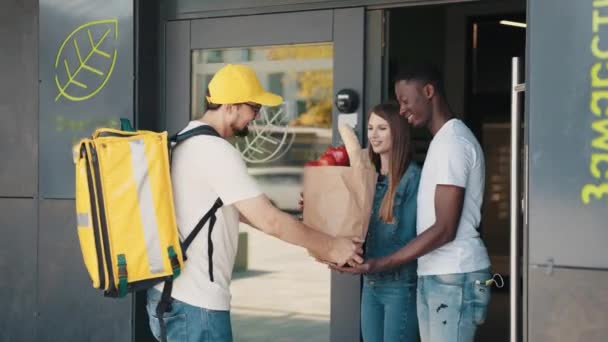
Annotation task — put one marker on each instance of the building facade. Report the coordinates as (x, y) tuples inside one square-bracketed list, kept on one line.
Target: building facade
[(71, 66)]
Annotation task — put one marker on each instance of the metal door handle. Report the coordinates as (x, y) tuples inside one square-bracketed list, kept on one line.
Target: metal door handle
[(516, 88)]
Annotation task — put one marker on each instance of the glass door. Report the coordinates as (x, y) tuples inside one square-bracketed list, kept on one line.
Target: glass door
[(279, 292), (292, 293)]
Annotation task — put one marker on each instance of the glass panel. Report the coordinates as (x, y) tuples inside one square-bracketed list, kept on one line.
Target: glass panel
[(277, 285)]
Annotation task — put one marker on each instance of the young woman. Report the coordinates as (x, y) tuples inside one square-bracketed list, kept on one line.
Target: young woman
[(388, 304)]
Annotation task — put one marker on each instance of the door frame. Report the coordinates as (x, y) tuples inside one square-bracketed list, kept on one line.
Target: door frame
[(344, 27)]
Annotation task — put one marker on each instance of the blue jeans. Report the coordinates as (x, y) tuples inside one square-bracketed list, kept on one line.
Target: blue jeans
[(187, 323), (452, 306), (388, 310)]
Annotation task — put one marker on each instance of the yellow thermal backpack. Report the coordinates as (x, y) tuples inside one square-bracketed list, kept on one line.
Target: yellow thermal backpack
[(124, 210)]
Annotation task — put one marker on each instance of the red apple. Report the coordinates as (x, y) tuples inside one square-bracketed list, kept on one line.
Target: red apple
[(312, 163), (339, 154), (327, 160)]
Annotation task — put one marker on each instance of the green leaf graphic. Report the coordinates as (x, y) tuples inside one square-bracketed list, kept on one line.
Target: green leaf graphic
[(72, 69)]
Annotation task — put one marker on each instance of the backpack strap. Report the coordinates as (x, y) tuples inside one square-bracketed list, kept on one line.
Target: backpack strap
[(164, 305), (200, 130), (165, 302), (176, 139), (209, 216)]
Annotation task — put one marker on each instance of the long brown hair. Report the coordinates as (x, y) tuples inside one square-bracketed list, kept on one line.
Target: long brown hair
[(400, 154)]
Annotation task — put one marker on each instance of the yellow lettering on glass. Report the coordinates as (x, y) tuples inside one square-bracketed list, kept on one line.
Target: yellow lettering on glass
[(590, 191), (600, 3), (601, 142), (595, 48), (596, 96), (597, 159), (91, 60), (79, 127), (598, 20), (596, 80)]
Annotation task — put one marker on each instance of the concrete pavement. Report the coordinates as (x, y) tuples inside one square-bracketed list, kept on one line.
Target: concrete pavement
[(283, 296)]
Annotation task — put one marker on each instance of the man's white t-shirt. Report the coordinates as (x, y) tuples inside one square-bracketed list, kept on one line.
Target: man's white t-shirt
[(203, 169), (454, 158)]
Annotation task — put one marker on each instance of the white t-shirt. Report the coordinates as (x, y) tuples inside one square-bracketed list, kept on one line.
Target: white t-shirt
[(454, 158), (203, 169)]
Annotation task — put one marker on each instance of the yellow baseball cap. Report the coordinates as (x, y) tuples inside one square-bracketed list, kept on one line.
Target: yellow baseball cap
[(236, 83)]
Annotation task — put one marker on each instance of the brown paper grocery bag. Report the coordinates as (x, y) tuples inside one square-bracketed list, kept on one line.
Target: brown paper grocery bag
[(337, 199)]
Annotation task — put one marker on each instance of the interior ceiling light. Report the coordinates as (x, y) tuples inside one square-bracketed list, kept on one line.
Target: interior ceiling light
[(512, 23)]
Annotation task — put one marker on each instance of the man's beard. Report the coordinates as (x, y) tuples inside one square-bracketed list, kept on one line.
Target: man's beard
[(242, 132)]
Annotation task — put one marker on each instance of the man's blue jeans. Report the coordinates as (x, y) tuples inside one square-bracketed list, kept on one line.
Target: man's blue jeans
[(187, 323), (452, 306), (388, 311)]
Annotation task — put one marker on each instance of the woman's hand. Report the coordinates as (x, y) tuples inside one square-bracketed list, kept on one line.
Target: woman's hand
[(346, 251), (369, 266)]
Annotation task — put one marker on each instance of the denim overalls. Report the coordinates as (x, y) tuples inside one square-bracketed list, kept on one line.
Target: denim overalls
[(388, 303)]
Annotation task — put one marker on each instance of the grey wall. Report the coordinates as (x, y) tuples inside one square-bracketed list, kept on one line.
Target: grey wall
[(568, 305), (104, 92), (568, 259), (44, 289), (18, 94), (18, 269), (18, 168), (561, 135), (70, 309)]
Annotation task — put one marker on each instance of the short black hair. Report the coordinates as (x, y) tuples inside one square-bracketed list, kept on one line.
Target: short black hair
[(423, 72)]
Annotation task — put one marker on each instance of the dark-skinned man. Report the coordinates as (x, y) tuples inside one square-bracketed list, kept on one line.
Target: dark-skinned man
[(453, 263)]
